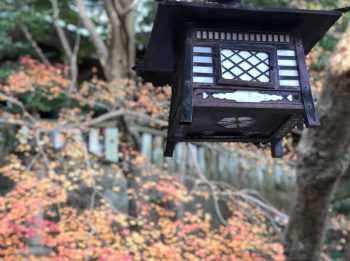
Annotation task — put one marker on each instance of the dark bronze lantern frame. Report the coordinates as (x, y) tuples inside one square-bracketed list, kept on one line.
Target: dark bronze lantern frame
[(238, 73)]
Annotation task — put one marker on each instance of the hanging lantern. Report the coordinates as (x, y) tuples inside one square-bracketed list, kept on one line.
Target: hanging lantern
[(238, 73)]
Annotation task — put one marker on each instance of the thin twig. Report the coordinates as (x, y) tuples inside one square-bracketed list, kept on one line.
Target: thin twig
[(71, 54), (244, 194), (34, 44), (210, 185), (19, 104), (74, 62), (60, 32), (96, 39)]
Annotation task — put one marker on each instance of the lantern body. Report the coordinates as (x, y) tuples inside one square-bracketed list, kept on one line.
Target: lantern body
[(238, 74)]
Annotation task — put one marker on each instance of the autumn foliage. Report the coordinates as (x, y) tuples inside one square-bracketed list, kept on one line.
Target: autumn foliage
[(59, 209)]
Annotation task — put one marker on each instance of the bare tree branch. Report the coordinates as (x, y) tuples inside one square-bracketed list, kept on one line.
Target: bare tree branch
[(74, 62), (105, 117), (61, 34), (16, 123), (210, 185), (100, 46), (131, 7), (122, 12), (111, 12), (117, 53), (70, 54), (19, 104), (34, 44)]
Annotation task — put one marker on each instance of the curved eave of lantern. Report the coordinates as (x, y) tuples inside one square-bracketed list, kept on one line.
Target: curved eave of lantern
[(167, 36)]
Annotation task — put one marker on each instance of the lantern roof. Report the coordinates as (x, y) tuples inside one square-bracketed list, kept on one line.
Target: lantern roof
[(172, 16)]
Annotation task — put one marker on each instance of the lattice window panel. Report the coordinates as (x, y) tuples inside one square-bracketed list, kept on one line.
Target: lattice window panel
[(244, 65)]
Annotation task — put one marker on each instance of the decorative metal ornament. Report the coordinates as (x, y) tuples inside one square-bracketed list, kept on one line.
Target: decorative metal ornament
[(238, 73)]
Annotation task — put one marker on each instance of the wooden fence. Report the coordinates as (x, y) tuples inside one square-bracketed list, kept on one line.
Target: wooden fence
[(274, 179)]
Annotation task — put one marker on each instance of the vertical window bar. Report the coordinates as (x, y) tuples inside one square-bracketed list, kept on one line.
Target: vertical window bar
[(234, 36), (252, 37), (223, 36), (282, 38), (258, 37), (288, 40)]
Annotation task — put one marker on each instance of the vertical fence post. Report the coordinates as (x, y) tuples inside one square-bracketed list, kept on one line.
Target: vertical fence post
[(278, 175), (58, 140), (212, 159), (111, 144), (242, 172), (178, 155), (201, 159), (223, 162), (157, 153), (182, 167), (146, 148), (182, 171), (232, 168), (260, 174), (95, 146), (190, 160)]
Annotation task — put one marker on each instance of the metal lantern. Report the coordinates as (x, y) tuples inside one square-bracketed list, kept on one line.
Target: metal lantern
[(238, 73)]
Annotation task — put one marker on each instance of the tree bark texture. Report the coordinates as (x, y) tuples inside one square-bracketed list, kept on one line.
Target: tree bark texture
[(117, 53), (324, 155)]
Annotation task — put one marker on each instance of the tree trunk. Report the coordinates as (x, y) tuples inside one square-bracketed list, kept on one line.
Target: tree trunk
[(121, 41), (130, 42), (324, 155), (117, 56), (114, 67)]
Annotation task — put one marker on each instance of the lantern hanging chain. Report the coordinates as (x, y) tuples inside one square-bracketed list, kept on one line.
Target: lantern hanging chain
[(343, 9)]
